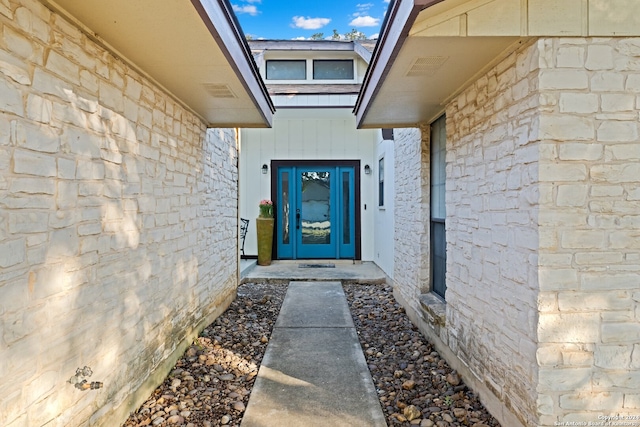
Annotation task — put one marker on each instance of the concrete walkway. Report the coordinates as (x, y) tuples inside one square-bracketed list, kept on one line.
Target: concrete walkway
[(314, 372)]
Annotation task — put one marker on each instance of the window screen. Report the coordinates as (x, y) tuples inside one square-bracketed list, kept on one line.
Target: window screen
[(286, 70), (333, 69)]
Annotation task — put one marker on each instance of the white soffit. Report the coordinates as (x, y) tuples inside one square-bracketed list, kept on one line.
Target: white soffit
[(426, 72), (191, 48)]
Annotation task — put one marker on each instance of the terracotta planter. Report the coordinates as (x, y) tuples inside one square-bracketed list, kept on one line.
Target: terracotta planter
[(264, 226)]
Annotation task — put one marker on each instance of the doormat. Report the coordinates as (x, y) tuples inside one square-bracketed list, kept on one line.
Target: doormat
[(316, 266)]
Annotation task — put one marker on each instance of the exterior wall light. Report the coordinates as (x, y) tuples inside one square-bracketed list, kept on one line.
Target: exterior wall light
[(367, 169), (265, 169)]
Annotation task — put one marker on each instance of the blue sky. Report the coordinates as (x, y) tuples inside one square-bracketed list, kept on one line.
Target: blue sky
[(297, 19)]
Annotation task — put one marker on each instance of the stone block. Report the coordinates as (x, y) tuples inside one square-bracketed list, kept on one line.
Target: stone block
[(607, 82), (565, 379), (608, 282), (569, 328), (28, 222), (624, 239), (621, 333), (66, 168), (591, 401), (581, 103), (36, 138), (606, 191), (549, 355), (618, 131), (64, 243), (572, 195), (571, 57), (623, 152), (563, 79), (618, 379), (111, 96), (594, 258), (583, 239), (580, 151), (566, 128), (89, 81), (67, 196), (594, 301), (633, 83), (616, 173), (562, 172), (10, 98), (90, 170), (64, 68), (615, 103), (631, 401), (599, 57), (558, 278), (39, 109), (613, 356), (12, 252), (32, 186)]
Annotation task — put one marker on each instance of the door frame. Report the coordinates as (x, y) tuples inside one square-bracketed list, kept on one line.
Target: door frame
[(276, 164)]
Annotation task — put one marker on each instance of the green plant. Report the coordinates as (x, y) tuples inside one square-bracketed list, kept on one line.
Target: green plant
[(266, 208)]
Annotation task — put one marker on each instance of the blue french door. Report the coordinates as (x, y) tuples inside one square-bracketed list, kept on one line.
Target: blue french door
[(315, 216)]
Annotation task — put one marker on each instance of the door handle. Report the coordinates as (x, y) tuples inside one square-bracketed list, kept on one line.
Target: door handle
[(297, 219)]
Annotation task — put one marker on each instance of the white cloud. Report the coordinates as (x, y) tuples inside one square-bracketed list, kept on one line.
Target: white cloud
[(309, 23), (365, 21), (248, 8)]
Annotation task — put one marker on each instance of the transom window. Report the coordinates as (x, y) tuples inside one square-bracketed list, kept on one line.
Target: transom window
[(285, 69), (333, 69)]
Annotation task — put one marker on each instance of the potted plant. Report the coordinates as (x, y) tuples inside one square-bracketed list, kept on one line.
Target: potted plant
[(264, 226)]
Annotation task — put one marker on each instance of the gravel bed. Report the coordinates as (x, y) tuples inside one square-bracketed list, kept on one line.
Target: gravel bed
[(211, 383), (415, 385)]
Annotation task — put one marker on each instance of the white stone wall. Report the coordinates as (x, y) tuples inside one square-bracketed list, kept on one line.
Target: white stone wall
[(411, 215), (118, 224), (589, 326), (492, 230), (543, 232)]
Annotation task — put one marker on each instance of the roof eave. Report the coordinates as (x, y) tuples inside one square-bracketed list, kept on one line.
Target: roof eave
[(395, 29), (221, 22)]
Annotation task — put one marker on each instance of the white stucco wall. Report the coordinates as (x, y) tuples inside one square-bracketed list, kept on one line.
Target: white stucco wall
[(384, 231), (307, 134), (118, 225)]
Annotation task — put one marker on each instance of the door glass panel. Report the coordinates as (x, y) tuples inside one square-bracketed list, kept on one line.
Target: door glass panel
[(316, 208), (346, 216), (286, 208)]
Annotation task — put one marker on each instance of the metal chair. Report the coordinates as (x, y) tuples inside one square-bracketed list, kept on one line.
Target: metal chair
[(244, 227)]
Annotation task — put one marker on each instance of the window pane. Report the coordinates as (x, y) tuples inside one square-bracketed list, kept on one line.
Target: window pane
[(316, 208), (324, 69), (284, 214), (381, 182), (287, 70), (438, 169), (346, 215)]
